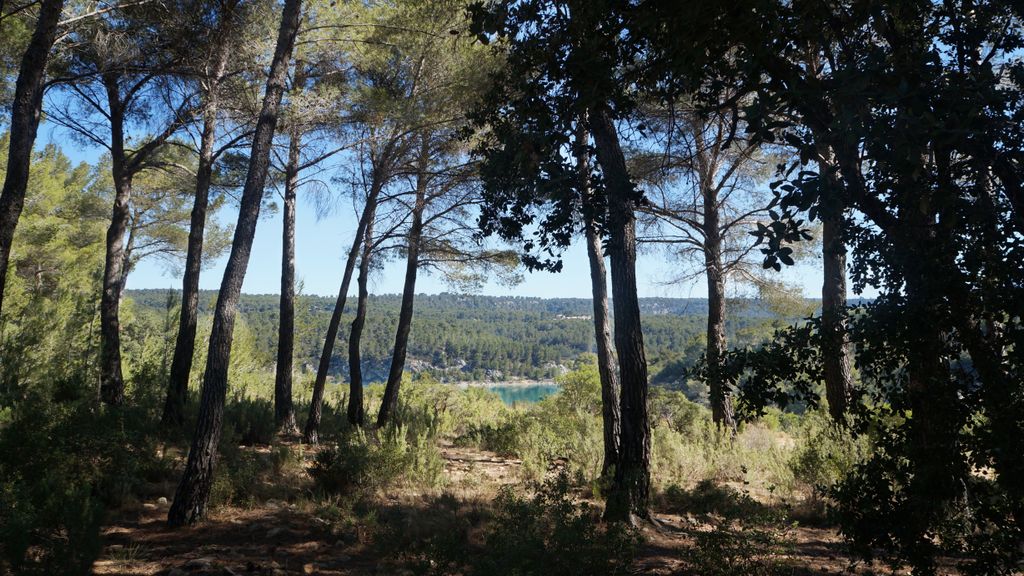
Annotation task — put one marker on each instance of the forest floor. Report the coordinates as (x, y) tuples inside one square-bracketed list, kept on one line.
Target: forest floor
[(274, 537)]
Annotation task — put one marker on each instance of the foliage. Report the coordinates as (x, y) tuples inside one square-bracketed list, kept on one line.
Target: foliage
[(361, 463), (62, 464), (458, 337), (553, 533)]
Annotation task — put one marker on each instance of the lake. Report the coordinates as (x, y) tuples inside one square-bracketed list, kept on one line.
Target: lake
[(516, 394)]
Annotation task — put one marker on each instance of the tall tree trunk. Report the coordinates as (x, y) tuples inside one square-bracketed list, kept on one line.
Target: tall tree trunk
[(284, 412), (193, 492), (111, 379), (835, 341), (310, 434), (25, 111), (610, 408), (610, 416), (630, 492), (721, 400), (184, 345), (389, 403), (356, 410), (835, 345)]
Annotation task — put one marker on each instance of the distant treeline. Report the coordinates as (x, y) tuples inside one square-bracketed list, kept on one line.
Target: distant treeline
[(471, 337)]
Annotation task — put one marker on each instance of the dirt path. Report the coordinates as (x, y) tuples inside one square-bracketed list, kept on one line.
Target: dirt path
[(279, 538)]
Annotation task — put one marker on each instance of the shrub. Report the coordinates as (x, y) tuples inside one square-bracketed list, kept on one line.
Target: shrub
[(825, 453), (362, 464), (61, 464), (553, 533), (237, 478), (549, 532), (708, 498), (727, 549)]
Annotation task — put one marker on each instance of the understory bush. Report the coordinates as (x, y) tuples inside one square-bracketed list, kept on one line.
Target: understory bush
[(61, 466), (361, 463), (547, 531)]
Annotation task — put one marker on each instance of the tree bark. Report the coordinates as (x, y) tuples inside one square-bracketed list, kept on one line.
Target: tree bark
[(284, 412), (311, 433), (610, 416), (193, 492), (25, 112), (630, 492), (111, 378), (356, 410), (184, 346), (721, 400), (389, 404), (835, 345)]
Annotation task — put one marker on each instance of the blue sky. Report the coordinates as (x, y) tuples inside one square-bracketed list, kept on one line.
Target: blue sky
[(321, 245)]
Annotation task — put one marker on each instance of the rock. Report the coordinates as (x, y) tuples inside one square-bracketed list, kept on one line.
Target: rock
[(162, 501), (149, 506), (176, 572), (275, 532), (198, 564)]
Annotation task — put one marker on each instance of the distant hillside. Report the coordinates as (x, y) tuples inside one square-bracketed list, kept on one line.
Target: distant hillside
[(470, 337)]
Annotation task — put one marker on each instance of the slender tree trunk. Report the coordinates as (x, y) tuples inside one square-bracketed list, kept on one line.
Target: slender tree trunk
[(630, 492), (606, 368), (25, 111), (356, 410), (193, 492), (721, 400), (284, 412), (835, 342), (184, 346), (111, 379), (610, 414), (311, 433), (389, 404)]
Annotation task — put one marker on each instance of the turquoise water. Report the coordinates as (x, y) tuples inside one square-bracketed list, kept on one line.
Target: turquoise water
[(524, 394)]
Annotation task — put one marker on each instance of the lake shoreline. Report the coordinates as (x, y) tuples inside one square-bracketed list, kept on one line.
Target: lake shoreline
[(504, 383)]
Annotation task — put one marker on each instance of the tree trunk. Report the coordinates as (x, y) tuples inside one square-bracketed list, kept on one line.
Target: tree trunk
[(835, 346), (284, 413), (356, 410), (111, 379), (389, 404), (25, 111), (184, 346), (610, 416), (193, 492), (721, 400), (938, 465), (311, 433), (605, 355), (630, 492)]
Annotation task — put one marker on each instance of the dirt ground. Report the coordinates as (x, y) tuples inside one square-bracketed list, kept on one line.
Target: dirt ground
[(277, 538)]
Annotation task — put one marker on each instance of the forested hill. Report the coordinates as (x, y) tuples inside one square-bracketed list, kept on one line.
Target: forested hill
[(471, 337)]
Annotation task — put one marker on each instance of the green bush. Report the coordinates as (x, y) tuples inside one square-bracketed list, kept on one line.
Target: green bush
[(362, 464), (730, 549), (825, 453), (237, 478), (708, 498), (548, 532), (553, 533), (61, 465)]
